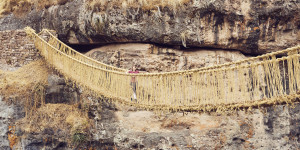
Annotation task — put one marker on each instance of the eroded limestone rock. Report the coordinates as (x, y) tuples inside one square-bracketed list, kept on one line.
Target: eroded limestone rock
[(128, 128), (6, 114), (249, 26), (151, 58)]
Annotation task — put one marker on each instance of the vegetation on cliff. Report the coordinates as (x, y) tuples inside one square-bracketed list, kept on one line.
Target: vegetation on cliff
[(24, 79), (68, 120), (143, 4), (27, 87), (20, 7)]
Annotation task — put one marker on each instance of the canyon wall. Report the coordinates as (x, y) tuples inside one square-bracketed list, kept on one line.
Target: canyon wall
[(250, 26), (152, 58), (123, 127), (191, 34)]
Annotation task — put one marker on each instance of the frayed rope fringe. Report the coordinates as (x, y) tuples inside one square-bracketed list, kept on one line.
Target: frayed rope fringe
[(268, 79)]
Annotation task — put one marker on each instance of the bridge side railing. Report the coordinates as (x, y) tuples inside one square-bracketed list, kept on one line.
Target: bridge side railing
[(59, 45), (263, 81), (54, 41)]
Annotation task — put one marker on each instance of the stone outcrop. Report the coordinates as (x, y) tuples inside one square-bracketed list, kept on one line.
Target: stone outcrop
[(250, 26), (58, 91), (151, 58), (6, 114), (210, 29), (123, 127), (127, 128), (270, 128)]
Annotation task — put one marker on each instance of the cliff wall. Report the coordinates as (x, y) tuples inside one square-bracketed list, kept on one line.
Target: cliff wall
[(250, 26)]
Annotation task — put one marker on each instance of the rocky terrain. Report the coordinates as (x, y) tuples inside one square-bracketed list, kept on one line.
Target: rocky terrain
[(6, 113), (250, 26), (152, 58), (40, 109), (124, 127), (100, 124)]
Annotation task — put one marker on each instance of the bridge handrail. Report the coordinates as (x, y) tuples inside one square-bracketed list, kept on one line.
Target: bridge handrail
[(82, 55), (267, 81), (252, 59)]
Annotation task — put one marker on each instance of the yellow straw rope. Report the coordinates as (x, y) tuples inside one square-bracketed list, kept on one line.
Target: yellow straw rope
[(55, 42), (251, 82)]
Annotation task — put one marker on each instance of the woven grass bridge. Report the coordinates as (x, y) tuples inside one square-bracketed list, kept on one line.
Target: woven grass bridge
[(267, 79)]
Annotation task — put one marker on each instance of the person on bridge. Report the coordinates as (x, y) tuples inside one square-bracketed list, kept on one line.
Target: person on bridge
[(133, 82)]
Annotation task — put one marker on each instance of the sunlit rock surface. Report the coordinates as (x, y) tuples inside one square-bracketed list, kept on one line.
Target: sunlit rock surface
[(152, 58), (250, 26)]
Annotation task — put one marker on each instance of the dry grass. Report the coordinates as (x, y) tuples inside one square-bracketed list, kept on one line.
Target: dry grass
[(67, 118), (47, 3), (23, 80), (16, 6), (21, 7), (100, 5)]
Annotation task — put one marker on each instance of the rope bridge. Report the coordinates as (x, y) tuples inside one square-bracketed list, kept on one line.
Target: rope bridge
[(267, 79)]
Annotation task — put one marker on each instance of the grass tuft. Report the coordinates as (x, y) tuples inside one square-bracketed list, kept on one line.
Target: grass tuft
[(21, 81), (97, 5), (68, 119), (78, 139), (21, 7)]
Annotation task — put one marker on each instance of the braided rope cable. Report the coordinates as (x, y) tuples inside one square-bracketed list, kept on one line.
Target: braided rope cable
[(247, 83)]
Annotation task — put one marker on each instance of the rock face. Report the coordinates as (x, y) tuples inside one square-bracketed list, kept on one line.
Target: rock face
[(128, 128), (250, 26), (58, 91), (272, 128), (151, 58), (6, 114), (124, 127)]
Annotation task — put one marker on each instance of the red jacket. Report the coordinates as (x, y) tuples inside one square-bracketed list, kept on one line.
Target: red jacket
[(133, 77)]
